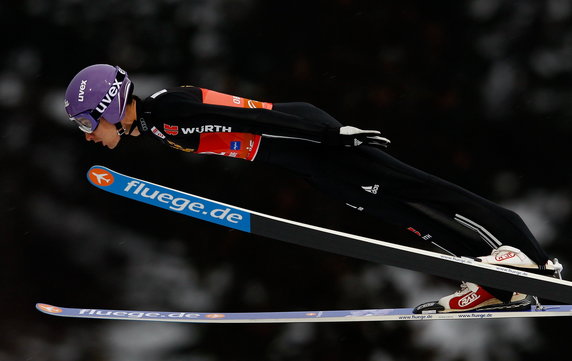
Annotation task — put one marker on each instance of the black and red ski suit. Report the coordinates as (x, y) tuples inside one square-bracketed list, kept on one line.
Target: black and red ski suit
[(301, 138)]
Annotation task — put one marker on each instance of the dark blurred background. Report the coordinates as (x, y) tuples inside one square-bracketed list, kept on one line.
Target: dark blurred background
[(477, 92)]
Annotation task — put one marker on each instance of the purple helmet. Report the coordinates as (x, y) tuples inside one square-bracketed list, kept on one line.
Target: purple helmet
[(97, 91)]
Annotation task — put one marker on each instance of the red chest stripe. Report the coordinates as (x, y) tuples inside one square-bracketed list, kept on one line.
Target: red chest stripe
[(235, 145)]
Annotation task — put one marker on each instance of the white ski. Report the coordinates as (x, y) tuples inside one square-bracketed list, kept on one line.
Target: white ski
[(388, 314), (457, 268)]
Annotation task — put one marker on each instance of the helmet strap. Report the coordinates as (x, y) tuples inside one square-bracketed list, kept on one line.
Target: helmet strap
[(120, 129), (133, 126)]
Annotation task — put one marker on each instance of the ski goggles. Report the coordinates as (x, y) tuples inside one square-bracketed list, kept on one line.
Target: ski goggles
[(88, 121)]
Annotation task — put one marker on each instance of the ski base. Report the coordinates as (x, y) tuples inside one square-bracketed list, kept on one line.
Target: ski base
[(388, 314), (442, 265)]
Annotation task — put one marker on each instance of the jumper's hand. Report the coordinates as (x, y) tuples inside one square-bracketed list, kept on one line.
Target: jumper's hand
[(353, 137)]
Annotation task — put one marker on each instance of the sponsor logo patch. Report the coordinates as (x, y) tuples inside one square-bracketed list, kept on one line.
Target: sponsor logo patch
[(235, 145), (416, 232), (468, 299), (101, 177), (171, 199), (109, 96), (215, 315), (82, 87), (157, 132), (505, 256), (207, 129), (171, 129), (371, 189), (49, 308)]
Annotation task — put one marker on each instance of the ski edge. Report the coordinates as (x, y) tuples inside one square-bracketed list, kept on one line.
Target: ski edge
[(365, 315)]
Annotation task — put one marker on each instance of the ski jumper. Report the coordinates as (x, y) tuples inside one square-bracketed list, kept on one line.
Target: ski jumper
[(300, 137)]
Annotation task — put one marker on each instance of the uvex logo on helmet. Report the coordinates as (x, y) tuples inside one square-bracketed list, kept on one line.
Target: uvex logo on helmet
[(109, 96), (82, 87)]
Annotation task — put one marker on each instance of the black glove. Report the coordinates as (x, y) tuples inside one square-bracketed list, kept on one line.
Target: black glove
[(353, 137)]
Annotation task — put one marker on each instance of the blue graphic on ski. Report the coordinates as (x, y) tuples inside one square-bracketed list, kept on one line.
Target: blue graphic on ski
[(457, 268), (388, 314)]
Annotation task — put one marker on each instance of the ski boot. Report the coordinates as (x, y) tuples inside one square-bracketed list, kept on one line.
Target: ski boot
[(514, 258), (472, 297)]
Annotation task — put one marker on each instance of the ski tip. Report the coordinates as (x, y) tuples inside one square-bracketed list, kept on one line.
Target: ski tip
[(98, 167), (48, 309), (100, 176)]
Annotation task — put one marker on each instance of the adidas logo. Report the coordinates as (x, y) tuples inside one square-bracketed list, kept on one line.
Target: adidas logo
[(371, 189)]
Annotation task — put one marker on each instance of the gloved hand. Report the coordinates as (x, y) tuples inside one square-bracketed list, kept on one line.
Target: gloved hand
[(353, 137)]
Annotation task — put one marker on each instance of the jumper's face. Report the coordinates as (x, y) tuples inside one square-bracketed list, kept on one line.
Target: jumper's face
[(105, 133)]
